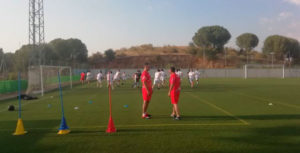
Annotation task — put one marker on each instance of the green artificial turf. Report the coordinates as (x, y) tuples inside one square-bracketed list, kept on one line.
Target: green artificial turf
[(219, 116)]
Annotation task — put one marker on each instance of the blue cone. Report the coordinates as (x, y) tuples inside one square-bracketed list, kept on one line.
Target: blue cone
[(63, 124)]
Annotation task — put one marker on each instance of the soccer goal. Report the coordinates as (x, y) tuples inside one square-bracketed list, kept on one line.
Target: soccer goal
[(264, 71), (44, 78)]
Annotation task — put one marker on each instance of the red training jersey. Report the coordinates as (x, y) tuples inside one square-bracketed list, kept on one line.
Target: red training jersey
[(82, 75), (146, 79), (175, 80)]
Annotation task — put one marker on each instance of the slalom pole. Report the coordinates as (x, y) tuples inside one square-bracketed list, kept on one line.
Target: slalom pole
[(111, 127), (64, 129), (20, 126)]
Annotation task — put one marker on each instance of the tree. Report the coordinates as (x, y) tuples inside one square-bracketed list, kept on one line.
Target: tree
[(70, 50), (1, 52), (95, 59), (211, 39), (110, 55), (281, 47), (10, 61), (246, 42), (25, 56)]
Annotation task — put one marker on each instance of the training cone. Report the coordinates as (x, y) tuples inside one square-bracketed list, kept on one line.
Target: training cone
[(20, 128), (111, 126), (64, 129)]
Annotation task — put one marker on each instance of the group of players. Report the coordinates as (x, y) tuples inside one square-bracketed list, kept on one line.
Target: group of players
[(119, 78), (159, 81)]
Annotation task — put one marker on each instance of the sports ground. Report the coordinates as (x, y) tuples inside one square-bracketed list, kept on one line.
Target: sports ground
[(219, 116)]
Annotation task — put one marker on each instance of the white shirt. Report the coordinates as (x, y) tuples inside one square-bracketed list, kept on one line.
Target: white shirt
[(157, 75), (197, 74), (99, 76), (179, 73), (117, 75), (162, 75), (124, 76), (191, 75), (88, 75), (109, 76)]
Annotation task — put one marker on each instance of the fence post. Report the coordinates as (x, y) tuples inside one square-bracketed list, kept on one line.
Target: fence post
[(42, 80), (246, 71), (283, 71), (71, 78)]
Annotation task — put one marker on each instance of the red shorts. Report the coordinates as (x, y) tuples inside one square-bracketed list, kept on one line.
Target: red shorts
[(146, 97), (174, 97)]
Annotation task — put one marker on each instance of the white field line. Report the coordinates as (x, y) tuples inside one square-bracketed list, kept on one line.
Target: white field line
[(220, 109)]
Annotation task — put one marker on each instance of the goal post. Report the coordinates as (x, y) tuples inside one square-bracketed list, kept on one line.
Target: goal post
[(43, 78), (264, 71)]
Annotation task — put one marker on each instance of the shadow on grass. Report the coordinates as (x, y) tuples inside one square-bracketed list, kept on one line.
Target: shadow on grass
[(37, 129), (245, 117), (268, 139)]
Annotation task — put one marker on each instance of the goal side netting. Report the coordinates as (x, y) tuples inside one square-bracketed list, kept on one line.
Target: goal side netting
[(43, 78)]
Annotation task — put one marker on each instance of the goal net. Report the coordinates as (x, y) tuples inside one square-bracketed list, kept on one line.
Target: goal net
[(264, 71), (43, 78)]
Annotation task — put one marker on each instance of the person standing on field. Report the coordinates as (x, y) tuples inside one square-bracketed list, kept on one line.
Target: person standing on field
[(174, 92), (162, 77), (197, 76), (191, 76), (156, 81), (88, 77), (82, 77), (146, 90), (99, 79), (109, 78), (123, 78)]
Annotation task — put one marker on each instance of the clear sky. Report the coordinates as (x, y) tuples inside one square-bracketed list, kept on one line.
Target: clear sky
[(103, 24)]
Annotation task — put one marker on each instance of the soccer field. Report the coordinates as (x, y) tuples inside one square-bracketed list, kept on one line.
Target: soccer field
[(219, 116)]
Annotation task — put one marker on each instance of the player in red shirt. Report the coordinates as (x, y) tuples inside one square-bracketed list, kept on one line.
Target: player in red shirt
[(174, 92), (82, 77), (146, 90)]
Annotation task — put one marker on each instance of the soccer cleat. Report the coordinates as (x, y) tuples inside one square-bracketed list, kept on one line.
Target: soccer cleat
[(173, 116), (177, 118), (146, 116)]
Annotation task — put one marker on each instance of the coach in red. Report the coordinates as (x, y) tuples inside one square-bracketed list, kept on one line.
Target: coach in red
[(146, 90), (174, 92)]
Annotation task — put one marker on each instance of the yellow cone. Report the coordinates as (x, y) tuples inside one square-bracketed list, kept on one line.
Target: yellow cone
[(20, 128), (62, 132)]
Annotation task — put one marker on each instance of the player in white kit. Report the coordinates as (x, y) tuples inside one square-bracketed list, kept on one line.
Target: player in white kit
[(157, 81), (99, 79), (123, 78), (179, 73), (109, 78), (191, 77), (162, 77), (197, 76), (88, 77), (117, 77)]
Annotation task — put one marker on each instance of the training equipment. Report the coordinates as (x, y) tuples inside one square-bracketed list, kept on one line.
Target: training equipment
[(20, 126), (44, 78), (11, 108), (126, 106), (49, 105), (76, 108), (64, 129), (111, 126)]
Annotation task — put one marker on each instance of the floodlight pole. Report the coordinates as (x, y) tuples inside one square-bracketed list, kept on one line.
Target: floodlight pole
[(36, 25)]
